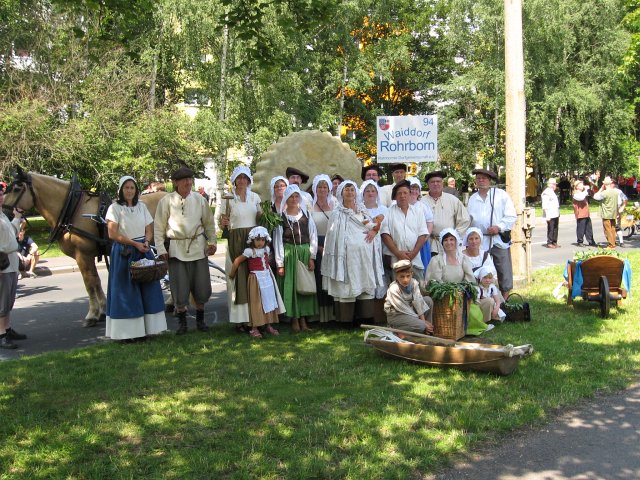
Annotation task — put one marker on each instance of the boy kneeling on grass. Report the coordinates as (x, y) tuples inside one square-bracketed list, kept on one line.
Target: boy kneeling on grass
[(405, 306)]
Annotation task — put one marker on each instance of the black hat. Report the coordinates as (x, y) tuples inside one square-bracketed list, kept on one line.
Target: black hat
[(483, 171), (397, 186), (397, 166), (182, 172), (373, 166), (337, 177), (294, 171), (435, 173)]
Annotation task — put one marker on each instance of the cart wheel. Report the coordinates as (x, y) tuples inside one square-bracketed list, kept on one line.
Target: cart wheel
[(628, 232), (605, 297)]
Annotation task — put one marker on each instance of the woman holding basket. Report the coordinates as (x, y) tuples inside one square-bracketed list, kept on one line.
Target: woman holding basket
[(134, 310)]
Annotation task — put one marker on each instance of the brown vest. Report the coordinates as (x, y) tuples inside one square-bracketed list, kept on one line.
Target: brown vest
[(300, 229)]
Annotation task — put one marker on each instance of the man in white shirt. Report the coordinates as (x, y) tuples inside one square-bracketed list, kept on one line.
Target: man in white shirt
[(551, 213), (404, 230), (184, 220), (399, 173), (448, 211), (493, 212)]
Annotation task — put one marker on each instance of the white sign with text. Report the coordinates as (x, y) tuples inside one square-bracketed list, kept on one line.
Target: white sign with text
[(407, 139)]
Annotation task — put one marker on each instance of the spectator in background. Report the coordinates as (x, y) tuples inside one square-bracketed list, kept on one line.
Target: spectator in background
[(551, 213), (565, 189), (204, 194), (609, 199), (451, 187), (622, 204), (28, 253), (581, 211), (531, 188)]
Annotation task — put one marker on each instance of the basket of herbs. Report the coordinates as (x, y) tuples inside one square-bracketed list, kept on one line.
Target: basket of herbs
[(449, 302)]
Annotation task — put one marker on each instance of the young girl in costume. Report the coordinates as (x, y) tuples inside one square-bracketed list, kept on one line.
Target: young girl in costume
[(489, 297), (265, 302)]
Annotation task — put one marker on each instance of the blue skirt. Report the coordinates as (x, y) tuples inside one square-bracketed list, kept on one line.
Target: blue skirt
[(127, 299)]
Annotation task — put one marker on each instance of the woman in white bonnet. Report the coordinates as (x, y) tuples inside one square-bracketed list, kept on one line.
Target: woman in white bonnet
[(243, 214), (134, 310)]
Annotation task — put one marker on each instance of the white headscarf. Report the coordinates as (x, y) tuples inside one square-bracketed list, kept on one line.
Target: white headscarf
[(414, 181), (341, 188), (274, 180), (469, 231), (241, 170), (451, 231), (314, 186), (483, 271), (290, 190), (124, 179), (364, 186), (258, 232)]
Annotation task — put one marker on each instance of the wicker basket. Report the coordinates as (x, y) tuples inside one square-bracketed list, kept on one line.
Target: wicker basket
[(447, 317), (520, 314), (148, 273)]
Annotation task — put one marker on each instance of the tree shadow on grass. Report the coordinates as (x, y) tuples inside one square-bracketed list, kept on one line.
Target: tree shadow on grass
[(321, 405)]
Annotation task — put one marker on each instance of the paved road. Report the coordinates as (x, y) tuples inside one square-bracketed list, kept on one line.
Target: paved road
[(597, 441)]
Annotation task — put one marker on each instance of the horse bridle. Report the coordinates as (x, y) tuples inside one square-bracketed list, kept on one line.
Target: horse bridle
[(24, 179)]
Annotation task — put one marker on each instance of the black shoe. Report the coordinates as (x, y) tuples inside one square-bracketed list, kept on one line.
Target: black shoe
[(7, 343), (13, 335), (182, 329), (593, 244)]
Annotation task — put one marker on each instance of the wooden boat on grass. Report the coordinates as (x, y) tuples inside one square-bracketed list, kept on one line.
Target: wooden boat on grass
[(440, 352)]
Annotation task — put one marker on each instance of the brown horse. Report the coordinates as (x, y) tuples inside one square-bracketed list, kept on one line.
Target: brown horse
[(48, 196)]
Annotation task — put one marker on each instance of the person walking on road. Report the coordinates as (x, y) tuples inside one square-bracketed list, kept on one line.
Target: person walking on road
[(609, 199), (584, 230), (185, 222), (551, 213)]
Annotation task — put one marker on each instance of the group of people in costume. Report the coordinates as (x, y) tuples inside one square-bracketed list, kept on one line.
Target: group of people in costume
[(359, 240)]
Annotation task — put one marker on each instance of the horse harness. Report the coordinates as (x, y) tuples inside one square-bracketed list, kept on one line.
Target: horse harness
[(76, 196)]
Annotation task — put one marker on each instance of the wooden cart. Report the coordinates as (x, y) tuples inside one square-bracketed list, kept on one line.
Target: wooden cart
[(602, 281)]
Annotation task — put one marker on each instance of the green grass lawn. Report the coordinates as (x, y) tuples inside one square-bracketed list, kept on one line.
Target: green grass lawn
[(320, 405)]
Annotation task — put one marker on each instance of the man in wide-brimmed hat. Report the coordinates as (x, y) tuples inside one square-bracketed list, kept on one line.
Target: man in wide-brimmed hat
[(185, 234), (298, 177), (398, 173), (448, 211), (493, 212)]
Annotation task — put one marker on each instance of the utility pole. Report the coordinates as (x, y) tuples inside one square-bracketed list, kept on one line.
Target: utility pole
[(515, 127)]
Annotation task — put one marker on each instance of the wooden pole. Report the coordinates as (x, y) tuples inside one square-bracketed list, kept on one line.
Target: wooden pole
[(515, 127)]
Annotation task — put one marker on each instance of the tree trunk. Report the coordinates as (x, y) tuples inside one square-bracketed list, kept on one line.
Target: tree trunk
[(341, 104)]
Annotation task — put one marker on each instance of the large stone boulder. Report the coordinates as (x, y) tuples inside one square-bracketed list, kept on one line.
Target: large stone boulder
[(311, 151)]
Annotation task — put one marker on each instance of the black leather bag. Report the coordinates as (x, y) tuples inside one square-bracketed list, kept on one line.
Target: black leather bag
[(4, 261), (505, 236)]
